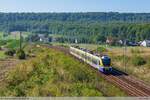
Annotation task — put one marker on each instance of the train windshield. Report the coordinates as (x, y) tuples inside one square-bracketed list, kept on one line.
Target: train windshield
[(106, 61)]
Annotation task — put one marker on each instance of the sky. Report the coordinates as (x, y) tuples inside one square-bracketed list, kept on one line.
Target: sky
[(137, 6)]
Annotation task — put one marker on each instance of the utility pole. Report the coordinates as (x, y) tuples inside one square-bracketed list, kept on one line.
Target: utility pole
[(20, 40), (125, 50), (97, 44)]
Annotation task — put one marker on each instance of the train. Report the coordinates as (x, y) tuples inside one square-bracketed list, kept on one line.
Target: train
[(100, 62)]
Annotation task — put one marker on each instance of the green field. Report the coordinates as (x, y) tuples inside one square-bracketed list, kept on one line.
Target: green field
[(16, 37), (49, 74)]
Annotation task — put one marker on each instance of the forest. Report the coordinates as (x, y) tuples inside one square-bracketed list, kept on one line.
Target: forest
[(91, 27)]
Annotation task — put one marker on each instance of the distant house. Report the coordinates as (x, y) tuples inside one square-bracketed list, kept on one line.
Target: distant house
[(132, 43), (53, 39), (110, 41), (120, 42), (146, 43), (139, 43), (43, 38), (113, 41)]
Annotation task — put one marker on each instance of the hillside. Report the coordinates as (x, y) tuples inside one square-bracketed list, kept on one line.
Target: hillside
[(89, 27)]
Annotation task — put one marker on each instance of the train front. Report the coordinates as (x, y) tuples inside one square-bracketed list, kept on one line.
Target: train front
[(106, 64)]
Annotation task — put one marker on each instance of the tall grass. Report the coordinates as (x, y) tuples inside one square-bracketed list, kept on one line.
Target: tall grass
[(2, 55), (52, 73), (135, 62)]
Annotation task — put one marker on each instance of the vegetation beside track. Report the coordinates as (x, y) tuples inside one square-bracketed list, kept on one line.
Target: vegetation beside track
[(2, 55), (136, 59), (53, 73)]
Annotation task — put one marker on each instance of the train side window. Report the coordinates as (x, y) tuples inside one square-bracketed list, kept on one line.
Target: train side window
[(72, 50), (94, 61), (89, 58), (83, 56), (86, 57)]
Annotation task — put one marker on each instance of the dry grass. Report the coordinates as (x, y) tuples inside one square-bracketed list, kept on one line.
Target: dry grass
[(142, 71), (49, 74)]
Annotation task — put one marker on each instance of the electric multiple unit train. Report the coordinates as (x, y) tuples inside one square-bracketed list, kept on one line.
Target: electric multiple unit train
[(102, 63)]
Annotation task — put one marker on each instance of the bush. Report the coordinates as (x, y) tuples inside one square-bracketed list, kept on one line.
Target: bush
[(49, 74), (136, 51), (13, 44), (21, 54), (101, 49), (138, 61), (81, 75), (10, 52), (3, 42)]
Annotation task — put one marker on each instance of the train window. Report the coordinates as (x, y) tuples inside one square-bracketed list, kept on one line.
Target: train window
[(94, 61), (106, 62), (85, 56), (82, 55), (89, 58), (73, 51)]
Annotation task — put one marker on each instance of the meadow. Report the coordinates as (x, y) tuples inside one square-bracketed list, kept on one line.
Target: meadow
[(49, 74), (135, 61)]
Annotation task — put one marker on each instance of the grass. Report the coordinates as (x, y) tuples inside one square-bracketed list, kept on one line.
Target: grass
[(89, 46), (1, 35), (2, 55), (136, 59), (53, 73), (13, 44), (17, 36)]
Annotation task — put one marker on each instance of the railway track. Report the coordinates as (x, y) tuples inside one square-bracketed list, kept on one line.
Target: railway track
[(141, 85), (131, 85), (131, 89)]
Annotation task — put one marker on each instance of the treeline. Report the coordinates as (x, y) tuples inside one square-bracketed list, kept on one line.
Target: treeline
[(86, 27), (90, 16)]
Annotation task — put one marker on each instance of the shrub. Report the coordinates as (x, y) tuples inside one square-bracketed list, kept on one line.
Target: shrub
[(10, 52), (101, 49), (3, 42), (135, 51), (42, 76), (21, 54), (80, 75), (13, 44), (121, 58), (138, 61)]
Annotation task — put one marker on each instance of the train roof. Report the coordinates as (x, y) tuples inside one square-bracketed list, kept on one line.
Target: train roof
[(90, 52)]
